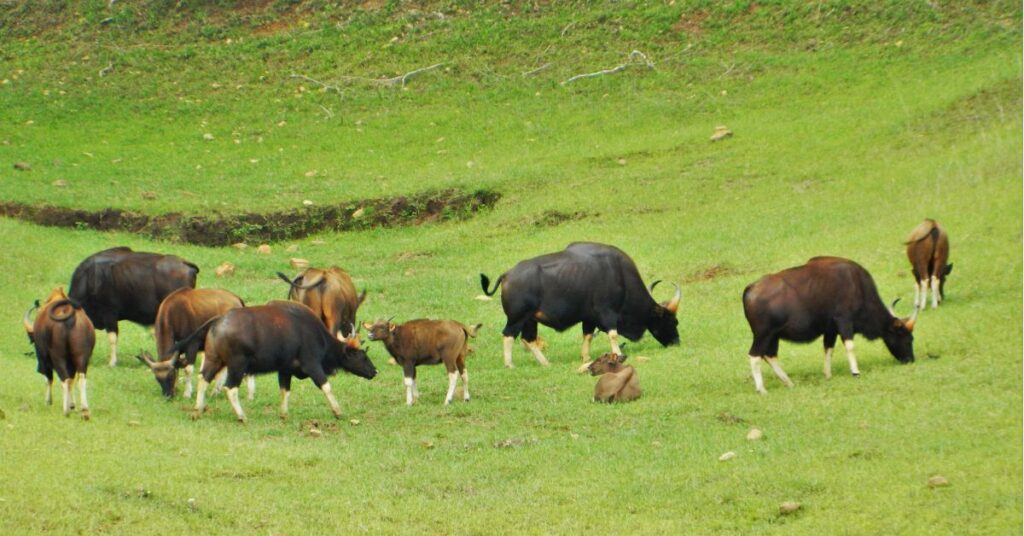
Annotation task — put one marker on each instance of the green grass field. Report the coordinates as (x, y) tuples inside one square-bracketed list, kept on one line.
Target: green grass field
[(852, 122)]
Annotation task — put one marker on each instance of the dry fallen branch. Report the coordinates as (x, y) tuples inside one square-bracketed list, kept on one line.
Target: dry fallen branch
[(399, 81), (106, 70), (528, 74), (636, 58), (327, 87)]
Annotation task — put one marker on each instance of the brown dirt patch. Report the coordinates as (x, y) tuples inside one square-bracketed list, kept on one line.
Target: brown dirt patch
[(691, 23), (225, 229), (552, 218), (711, 272)]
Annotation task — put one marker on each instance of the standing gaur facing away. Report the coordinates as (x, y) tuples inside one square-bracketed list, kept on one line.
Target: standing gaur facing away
[(426, 342), (64, 339), (618, 382), (183, 312), (928, 251), (121, 284), (331, 296), (282, 337), (589, 283), (828, 296)]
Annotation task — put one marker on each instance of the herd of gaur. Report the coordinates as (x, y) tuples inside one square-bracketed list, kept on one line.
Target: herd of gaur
[(315, 333)]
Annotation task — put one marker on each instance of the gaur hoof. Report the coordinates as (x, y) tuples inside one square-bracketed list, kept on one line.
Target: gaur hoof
[(195, 415), (85, 414), (284, 416), (762, 392), (856, 375)]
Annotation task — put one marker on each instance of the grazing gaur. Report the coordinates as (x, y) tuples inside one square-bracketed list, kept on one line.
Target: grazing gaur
[(928, 251), (180, 314), (828, 296), (426, 342), (618, 382), (121, 284), (330, 294), (282, 337), (64, 339), (593, 284)]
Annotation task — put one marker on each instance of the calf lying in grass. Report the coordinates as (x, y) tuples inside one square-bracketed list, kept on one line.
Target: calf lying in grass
[(426, 342), (618, 382)]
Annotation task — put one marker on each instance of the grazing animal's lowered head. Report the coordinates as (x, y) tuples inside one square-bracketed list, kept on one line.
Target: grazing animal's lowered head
[(618, 382), (165, 372)]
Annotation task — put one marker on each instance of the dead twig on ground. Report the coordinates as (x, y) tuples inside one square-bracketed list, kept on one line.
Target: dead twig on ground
[(636, 58)]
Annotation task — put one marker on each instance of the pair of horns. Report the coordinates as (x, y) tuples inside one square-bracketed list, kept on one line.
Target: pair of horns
[(673, 304), (154, 365)]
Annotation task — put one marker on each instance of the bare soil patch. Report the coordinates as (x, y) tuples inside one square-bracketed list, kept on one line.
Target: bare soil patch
[(225, 229)]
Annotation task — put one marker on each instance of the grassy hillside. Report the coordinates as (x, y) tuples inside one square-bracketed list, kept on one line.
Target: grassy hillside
[(852, 122)]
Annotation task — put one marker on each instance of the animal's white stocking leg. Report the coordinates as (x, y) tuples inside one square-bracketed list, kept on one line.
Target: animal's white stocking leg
[(465, 385), (453, 378), (235, 404), (218, 381), (853, 359), (777, 367), (250, 387), (284, 403), (828, 363), (935, 292), (755, 369), (537, 354), (506, 350), (112, 339), (49, 391), (188, 380), (66, 392), (71, 389), (200, 397), (335, 408), (613, 339), (409, 384), (923, 284), (83, 399)]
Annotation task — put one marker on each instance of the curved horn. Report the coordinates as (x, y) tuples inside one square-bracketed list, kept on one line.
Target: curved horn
[(909, 323), (673, 305), (25, 319), (654, 284), (892, 308)]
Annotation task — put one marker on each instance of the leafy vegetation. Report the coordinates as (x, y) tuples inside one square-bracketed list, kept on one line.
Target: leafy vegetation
[(853, 121)]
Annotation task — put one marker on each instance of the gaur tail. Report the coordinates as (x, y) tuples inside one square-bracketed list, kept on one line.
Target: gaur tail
[(179, 346), (927, 229), (486, 282), (67, 318), (471, 331), (362, 298), (296, 285)]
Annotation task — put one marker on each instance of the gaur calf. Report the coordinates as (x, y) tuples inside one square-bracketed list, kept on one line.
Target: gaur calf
[(617, 382), (928, 251), (426, 342), (180, 314), (64, 339)]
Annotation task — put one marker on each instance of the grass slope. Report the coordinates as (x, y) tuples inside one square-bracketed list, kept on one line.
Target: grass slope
[(852, 123)]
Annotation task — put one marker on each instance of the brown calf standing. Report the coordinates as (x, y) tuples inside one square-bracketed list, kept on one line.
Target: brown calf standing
[(618, 382), (64, 339), (427, 342), (180, 314), (928, 251)]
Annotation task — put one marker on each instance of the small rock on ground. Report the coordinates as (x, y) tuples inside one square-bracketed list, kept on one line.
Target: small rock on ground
[(727, 456), (754, 434), (788, 507), (938, 481)]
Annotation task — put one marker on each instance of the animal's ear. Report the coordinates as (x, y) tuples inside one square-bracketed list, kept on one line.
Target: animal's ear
[(367, 326), (391, 326), (949, 269)]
